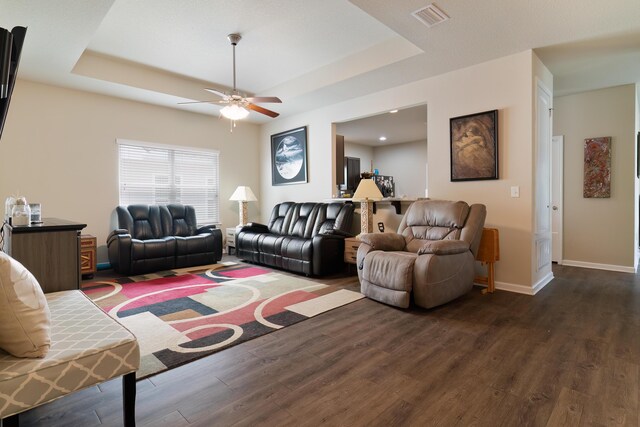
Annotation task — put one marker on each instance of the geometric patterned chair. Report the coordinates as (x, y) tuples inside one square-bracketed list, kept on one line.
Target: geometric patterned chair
[(87, 347)]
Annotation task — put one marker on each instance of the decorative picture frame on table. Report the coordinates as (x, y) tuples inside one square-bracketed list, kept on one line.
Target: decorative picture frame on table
[(289, 157), (474, 146)]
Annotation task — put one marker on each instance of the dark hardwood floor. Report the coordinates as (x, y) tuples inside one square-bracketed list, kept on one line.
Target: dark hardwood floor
[(568, 356)]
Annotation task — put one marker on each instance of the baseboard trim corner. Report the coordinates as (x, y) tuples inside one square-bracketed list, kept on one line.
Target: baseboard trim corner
[(543, 282)]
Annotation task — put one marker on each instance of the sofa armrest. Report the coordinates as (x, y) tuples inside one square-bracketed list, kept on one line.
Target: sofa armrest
[(444, 247), (206, 228), (328, 254), (256, 227), (117, 232), (384, 241), (119, 250), (337, 233)]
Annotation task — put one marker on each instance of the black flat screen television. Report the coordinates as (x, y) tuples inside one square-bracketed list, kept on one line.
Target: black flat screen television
[(10, 49)]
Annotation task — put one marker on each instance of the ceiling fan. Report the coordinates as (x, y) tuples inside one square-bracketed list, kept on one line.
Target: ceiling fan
[(238, 106)]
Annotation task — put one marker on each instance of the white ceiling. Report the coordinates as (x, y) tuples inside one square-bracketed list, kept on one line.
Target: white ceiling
[(406, 125), (311, 53)]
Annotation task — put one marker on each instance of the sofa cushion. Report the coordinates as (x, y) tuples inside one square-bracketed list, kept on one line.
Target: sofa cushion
[(178, 220), (432, 220), (201, 243), (437, 213), (303, 219), (296, 248), (25, 320), (153, 248), (143, 223), (280, 218), (333, 216), (87, 347), (269, 243)]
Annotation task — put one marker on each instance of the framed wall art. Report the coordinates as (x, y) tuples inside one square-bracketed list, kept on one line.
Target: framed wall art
[(289, 157), (638, 155), (474, 146), (597, 168)]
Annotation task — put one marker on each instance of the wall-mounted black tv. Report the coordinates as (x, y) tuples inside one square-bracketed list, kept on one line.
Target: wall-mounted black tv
[(10, 49)]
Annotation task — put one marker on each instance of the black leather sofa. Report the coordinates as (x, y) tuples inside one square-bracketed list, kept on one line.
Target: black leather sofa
[(161, 237), (304, 238)]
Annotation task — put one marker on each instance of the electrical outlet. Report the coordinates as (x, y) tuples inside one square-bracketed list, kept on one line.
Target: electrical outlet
[(515, 191)]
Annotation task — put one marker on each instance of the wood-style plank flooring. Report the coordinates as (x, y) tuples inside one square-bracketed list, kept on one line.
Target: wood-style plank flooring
[(568, 356)]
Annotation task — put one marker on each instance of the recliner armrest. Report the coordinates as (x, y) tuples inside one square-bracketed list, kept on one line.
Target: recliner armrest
[(384, 241), (444, 247)]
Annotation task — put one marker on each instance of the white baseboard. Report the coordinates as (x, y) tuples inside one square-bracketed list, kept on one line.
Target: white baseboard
[(597, 266), (522, 289)]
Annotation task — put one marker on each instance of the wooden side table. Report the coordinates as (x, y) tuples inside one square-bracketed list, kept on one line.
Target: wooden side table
[(351, 245), (488, 253), (88, 248)]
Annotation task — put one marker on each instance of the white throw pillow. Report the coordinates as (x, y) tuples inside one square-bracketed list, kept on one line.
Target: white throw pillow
[(25, 320)]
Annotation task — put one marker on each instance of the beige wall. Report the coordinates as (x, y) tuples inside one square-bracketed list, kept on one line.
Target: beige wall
[(504, 84), (599, 231), (363, 152), (407, 163), (58, 148)]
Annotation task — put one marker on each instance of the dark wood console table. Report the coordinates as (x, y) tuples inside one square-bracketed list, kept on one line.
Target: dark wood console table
[(50, 251)]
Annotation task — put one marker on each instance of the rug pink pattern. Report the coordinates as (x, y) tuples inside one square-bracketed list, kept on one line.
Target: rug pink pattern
[(178, 317)]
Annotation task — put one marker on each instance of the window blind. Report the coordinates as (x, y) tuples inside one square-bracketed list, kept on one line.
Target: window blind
[(156, 174)]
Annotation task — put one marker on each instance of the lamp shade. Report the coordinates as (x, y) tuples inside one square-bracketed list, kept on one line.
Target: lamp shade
[(243, 194), (367, 189), (234, 112)]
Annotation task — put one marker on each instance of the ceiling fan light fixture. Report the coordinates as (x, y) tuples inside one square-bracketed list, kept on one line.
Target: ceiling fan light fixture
[(234, 112)]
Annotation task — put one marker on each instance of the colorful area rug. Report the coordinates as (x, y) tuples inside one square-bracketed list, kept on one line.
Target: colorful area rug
[(180, 316)]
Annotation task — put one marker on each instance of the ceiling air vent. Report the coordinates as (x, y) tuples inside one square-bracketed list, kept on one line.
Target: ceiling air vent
[(430, 15)]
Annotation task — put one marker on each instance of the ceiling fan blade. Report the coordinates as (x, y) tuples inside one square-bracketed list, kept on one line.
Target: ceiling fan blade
[(216, 92), (261, 110), (274, 99), (198, 102)]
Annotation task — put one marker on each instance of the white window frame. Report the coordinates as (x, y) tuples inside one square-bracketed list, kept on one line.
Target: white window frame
[(175, 191)]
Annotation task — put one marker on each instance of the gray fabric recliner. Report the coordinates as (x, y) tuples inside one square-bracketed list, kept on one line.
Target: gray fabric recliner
[(431, 257)]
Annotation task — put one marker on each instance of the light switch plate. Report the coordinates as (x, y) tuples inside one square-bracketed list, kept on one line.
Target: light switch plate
[(515, 191)]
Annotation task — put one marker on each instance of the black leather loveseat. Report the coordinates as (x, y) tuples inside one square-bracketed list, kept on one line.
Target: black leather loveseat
[(301, 237), (154, 238)]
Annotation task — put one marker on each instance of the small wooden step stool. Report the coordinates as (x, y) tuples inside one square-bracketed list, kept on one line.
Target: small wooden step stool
[(488, 253)]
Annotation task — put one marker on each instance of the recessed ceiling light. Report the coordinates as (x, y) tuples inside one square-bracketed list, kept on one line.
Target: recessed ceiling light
[(393, 111), (383, 138)]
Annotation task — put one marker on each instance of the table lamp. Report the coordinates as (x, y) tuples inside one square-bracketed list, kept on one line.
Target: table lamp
[(367, 192), (243, 194)]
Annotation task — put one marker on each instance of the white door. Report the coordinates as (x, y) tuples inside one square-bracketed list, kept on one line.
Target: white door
[(542, 228), (557, 174)]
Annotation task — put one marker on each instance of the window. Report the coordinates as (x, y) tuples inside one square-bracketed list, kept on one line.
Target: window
[(160, 174)]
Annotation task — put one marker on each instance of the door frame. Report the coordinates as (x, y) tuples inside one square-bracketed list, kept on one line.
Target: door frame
[(557, 173)]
